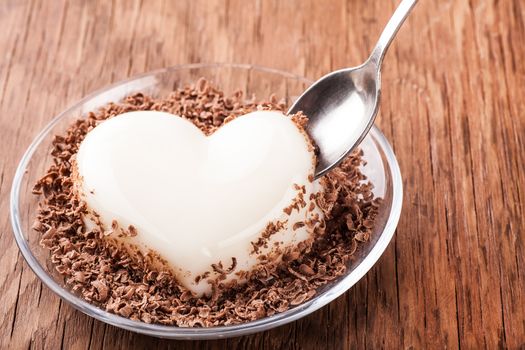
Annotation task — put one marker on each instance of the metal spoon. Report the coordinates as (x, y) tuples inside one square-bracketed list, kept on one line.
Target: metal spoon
[(342, 105)]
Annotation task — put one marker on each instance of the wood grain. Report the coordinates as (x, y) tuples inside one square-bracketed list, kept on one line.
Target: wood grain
[(453, 107)]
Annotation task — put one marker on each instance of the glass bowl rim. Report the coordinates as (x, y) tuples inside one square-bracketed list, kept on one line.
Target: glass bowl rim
[(174, 332)]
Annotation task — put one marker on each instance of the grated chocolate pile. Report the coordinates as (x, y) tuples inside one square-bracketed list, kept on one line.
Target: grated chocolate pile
[(108, 277)]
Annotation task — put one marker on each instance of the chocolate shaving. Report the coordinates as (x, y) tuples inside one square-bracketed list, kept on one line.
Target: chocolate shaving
[(220, 270), (132, 231), (298, 225), (298, 202), (270, 229)]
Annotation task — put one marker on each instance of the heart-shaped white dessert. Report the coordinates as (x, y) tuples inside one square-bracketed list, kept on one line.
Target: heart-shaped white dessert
[(203, 204)]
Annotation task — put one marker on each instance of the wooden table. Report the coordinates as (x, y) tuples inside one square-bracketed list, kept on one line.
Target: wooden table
[(453, 108)]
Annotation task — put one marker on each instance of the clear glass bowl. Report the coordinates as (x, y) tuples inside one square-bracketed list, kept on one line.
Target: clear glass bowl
[(382, 169)]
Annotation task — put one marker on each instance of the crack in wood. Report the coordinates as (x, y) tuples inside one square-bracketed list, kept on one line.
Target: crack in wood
[(16, 302)]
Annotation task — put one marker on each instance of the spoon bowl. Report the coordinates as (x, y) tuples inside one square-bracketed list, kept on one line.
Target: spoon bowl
[(341, 108)]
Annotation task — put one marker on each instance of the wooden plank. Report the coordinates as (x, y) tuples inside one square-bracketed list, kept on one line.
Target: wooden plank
[(453, 107)]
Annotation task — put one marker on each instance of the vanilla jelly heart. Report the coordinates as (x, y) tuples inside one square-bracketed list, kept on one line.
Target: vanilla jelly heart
[(201, 204)]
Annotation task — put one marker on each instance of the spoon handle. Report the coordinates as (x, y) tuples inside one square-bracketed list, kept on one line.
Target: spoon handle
[(390, 31)]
